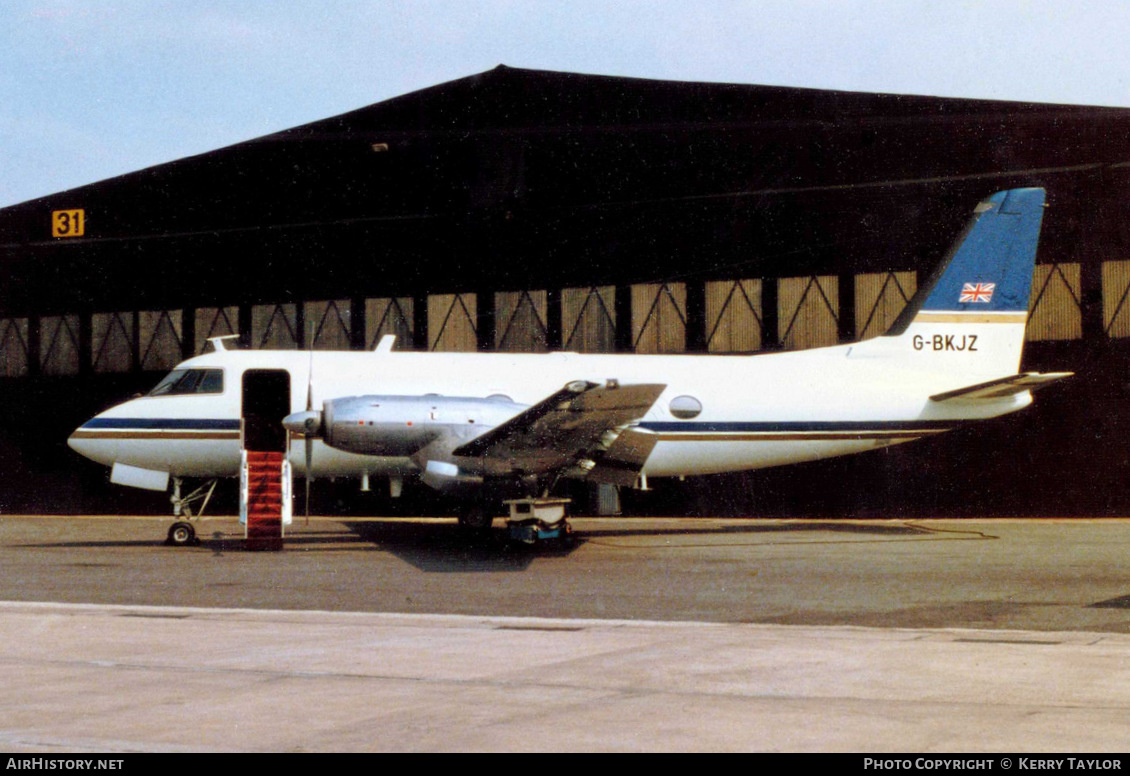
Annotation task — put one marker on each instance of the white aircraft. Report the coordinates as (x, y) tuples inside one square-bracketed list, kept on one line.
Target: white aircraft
[(488, 425)]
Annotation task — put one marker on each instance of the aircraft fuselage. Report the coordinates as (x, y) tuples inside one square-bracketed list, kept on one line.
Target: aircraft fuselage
[(756, 411)]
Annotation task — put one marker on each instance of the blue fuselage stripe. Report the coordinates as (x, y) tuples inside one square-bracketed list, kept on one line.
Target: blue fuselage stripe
[(162, 424), (799, 426)]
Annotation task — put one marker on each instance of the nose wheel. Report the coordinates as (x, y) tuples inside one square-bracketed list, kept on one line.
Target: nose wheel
[(181, 534)]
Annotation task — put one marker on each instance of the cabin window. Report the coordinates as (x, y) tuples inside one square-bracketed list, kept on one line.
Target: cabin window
[(685, 407), (181, 382)]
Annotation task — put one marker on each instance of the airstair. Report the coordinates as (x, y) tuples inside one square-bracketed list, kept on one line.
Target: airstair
[(265, 502)]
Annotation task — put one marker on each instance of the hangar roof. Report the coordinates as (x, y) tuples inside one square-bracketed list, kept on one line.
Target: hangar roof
[(529, 179)]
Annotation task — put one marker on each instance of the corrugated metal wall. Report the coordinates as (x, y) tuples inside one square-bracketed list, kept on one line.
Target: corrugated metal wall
[(327, 325), (389, 316), (588, 319), (58, 345), (659, 317), (1055, 311), (161, 339), (879, 298), (452, 322), (112, 340), (274, 326), (731, 319), (808, 310), (520, 321), (733, 316), (214, 322), (1116, 289), (14, 347)]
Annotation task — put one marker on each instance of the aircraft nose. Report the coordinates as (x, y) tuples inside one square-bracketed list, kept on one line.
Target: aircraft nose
[(77, 442), (84, 442)]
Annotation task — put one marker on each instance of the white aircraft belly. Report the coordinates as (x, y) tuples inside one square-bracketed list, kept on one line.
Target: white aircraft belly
[(220, 458), (181, 457), (679, 458)]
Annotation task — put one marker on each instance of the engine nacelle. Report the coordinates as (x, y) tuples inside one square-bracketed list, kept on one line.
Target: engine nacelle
[(402, 425), (449, 478)]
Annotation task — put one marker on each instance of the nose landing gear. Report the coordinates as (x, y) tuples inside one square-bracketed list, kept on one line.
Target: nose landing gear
[(182, 533)]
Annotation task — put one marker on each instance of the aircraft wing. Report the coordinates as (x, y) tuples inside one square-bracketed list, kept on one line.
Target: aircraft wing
[(582, 428), (1005, 386)]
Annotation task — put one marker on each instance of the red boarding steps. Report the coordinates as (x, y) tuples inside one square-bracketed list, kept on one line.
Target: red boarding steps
[(262, 499)]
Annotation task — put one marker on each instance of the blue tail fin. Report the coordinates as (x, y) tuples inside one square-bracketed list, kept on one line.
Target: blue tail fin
[(989, 268), (968, 320)]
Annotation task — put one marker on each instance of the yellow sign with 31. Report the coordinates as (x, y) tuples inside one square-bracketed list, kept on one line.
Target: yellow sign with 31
[(68, 223)]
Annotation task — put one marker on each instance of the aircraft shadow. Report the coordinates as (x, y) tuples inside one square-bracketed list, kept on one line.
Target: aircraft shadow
[(430, 547), (894, 531), (216, 541), (90, 545), (448, 548), (1122, 602)]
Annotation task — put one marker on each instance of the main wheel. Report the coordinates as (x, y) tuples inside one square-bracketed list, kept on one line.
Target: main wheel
[(476, 518), (181, 535)]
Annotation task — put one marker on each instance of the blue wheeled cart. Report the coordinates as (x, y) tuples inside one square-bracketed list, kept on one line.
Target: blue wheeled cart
[(532, 520)]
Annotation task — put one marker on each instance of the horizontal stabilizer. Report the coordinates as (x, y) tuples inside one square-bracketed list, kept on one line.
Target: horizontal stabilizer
[(1005, 386)]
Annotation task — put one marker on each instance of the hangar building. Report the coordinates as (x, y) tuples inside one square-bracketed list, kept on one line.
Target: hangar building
[(528, 210)]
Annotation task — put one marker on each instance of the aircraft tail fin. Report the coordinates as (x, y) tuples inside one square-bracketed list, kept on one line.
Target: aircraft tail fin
[(972, 312)]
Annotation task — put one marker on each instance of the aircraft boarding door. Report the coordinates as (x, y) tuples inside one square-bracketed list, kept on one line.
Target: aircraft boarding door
[(265, 477), (266, 401)]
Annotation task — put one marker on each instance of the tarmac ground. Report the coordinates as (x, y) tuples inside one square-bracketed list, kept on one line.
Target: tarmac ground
[(641, 634)]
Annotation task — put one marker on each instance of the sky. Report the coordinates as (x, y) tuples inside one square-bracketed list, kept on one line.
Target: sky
[(90, 89)]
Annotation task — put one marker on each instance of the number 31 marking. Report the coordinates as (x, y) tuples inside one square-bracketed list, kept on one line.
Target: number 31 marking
[(68, 223)]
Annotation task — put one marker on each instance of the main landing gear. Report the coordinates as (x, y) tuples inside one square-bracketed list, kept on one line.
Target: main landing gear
[(182, 533), (476, 519)]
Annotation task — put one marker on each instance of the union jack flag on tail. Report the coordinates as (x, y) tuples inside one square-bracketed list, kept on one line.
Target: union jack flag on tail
[(977, 292)]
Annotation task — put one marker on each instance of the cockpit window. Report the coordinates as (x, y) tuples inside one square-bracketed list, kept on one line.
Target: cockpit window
[(180, 382)]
